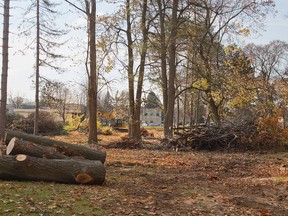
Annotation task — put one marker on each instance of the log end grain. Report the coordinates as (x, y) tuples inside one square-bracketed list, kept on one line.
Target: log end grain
[(84, 178), (10, 146), (21, 157)]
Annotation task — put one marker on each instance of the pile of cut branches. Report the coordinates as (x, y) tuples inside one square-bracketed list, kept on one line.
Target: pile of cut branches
[(203, 137), (125, 143)]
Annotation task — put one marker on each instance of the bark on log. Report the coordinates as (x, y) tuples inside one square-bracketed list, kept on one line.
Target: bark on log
[(63, 147), (17, 146), (72, 171)]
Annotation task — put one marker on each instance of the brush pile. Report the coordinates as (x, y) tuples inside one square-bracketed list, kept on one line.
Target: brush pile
[(203, 137)]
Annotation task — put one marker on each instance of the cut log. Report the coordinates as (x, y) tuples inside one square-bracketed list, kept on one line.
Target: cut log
[(63, 147), (17, 146), (71, 171)]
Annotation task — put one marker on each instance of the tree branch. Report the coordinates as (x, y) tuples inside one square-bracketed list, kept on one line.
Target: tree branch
[(75, 6)]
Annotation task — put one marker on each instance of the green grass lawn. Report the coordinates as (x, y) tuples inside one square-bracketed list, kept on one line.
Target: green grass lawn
[(42, 198)]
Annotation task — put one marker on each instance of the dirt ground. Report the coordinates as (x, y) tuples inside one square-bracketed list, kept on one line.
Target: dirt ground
[(154, 182)]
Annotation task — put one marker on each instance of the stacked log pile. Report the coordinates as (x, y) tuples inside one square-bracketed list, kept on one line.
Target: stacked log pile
[(213, 137), (30, 157)]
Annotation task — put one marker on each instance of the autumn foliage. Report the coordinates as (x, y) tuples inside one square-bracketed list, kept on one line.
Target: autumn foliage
[(270, 132)]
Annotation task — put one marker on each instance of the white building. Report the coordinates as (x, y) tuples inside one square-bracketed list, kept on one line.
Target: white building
[(151, 116)]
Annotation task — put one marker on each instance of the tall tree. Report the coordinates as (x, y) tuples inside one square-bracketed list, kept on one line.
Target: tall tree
[(92, 83), (47, 40), (163, 59), (165, 46), (169, 115), (90, 12), (5, 48), (130, 25), (270, 63), (221, 20), (37, 68), (143, 52), (152, 101), (16, 102)]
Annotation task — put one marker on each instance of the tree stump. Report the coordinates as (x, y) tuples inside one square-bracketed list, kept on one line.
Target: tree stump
[(17, 146), (72, 171)]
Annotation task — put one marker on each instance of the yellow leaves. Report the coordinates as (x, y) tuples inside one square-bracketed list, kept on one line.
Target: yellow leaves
[(245, 32), (241, 98), (73, 122), (230, 48), (242, 30), (201, 84), (217, 96)]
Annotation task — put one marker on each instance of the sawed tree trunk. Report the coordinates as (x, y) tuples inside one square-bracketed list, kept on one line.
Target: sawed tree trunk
[(63, 147), (18, 146), (76, 171)]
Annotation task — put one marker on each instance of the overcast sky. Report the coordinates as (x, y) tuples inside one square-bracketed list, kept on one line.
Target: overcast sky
[(21, 66)]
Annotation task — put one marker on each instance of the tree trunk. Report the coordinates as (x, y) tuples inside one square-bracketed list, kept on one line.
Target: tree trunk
[(163, 58), (24, 167), (5, 51), (191, 110), (92, 88), (197, 108), (18, 146), (178, 113), (63, 147), (137, 133), (37, 66), (130, 69), (213, 107), (172, 69), (185, 97)]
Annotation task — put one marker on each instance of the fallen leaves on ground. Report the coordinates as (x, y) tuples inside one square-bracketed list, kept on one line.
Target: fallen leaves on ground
[(154, 182)]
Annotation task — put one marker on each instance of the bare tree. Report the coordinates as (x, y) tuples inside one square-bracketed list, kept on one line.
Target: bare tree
[(16, 101), (169, 115), (47, 39), (5, 48), (90, 12), (56, 96), (270, 63), (130, 28)]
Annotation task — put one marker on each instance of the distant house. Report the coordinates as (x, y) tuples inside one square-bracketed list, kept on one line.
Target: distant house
[(151, 113), (151, 116)]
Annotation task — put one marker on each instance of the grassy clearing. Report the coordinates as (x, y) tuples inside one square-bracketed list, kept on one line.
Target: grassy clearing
[(42, 198), (146, 182)]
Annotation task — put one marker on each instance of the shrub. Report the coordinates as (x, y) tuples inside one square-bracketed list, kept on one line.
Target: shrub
[(47, 124), (106, 130), (73, 122), (11, 117), (78, 123), (270, 133)]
